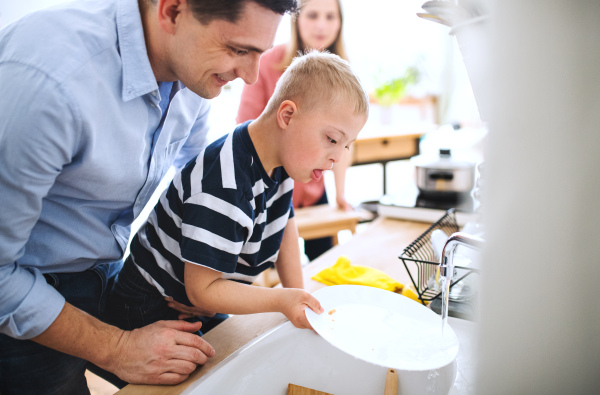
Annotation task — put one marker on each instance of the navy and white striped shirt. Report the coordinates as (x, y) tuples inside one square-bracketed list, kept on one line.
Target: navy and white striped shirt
[(222, 211)]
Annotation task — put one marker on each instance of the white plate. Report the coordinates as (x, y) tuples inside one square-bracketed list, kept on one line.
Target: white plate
[(383, 328)]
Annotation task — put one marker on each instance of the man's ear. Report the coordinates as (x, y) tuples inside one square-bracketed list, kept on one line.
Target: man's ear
[(168, 11), (286, 111)]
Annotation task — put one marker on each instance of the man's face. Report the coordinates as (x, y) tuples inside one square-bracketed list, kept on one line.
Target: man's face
[(205, 57)]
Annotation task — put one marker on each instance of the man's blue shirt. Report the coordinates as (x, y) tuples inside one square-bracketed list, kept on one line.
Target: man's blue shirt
[(82, 147)]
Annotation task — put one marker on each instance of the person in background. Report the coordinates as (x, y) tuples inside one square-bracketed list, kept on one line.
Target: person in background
[(317, 26), (228, 215), (99, 99)]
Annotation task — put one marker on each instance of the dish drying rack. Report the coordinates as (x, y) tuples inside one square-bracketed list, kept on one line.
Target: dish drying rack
[(420, 253)]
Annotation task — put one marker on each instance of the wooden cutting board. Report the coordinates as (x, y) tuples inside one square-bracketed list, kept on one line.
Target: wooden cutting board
[(294, 389)]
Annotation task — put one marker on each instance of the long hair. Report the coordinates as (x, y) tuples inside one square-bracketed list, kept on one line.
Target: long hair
[(296, 46)]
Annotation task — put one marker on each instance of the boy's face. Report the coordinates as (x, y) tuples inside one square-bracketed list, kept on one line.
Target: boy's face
[(316, 139)]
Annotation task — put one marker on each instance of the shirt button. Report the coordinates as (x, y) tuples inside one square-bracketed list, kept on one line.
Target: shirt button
[(154, 93), (152, 105)]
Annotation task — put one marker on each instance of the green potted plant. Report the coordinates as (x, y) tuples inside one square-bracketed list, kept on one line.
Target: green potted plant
[(391, 92)]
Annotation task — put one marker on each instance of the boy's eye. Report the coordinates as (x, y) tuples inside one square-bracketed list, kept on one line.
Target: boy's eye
[(332, 141)]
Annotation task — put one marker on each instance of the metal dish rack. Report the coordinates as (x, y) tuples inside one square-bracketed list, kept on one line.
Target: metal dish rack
[(420, 254)]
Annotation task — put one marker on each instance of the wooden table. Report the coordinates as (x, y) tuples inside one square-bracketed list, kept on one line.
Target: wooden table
[(377, 246), (385, 143), (324, 220)]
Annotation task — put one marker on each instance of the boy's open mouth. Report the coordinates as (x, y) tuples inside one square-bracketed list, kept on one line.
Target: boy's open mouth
[(317, 174)]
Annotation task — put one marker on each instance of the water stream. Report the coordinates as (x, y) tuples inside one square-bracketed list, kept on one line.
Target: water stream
[(445, 283)]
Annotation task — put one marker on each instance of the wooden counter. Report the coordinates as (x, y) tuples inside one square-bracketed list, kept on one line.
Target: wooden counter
[(386, 143), (383, 148), (377, 246), (324, 220)]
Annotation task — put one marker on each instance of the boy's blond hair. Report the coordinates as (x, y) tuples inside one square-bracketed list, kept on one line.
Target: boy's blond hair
[(317, 79)]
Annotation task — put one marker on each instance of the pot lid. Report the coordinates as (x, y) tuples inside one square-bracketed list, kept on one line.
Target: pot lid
[(444, 160)]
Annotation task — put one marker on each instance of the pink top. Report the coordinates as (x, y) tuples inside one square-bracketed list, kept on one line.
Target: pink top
[(253, 102)]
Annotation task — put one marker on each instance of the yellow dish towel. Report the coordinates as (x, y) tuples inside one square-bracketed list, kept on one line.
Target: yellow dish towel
[(345, 273)]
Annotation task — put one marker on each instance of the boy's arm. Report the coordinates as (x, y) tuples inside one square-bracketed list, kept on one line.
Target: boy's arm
[(206, 288), (288, 263)]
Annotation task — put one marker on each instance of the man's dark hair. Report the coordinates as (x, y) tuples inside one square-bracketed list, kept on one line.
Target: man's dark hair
[(230, 10)]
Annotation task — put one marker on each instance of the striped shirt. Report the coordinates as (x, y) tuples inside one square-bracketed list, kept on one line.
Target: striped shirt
[(222, 211)]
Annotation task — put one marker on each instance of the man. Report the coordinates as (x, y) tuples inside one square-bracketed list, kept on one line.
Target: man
[(98, 99)]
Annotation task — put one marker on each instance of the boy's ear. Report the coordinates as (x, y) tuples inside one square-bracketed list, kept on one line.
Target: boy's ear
[(168, 11), (286, 111)]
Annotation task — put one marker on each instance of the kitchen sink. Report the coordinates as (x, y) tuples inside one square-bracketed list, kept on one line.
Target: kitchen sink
[(300, 356)]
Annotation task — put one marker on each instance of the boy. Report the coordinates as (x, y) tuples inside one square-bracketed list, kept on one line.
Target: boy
[(227, 216)]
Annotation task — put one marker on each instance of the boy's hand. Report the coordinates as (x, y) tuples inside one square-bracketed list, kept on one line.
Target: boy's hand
[(188, 311), (294, 301)]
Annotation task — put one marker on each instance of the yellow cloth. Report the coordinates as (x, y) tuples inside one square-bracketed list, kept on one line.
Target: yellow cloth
[(410, 293), (345, 273)]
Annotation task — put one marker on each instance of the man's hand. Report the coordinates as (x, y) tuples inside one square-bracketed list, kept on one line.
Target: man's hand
[(187, 311), (165, 352)]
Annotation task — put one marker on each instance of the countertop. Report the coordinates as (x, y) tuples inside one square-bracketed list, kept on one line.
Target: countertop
[(378, 246)]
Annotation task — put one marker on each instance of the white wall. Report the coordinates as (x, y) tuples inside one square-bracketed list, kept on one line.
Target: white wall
[(383, 37), (540, 322)]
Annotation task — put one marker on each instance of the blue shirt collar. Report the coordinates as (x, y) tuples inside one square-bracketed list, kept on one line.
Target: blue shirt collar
[(138, 77)]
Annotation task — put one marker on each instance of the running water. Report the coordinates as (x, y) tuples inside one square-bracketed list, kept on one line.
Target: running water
[(445, 283), (432, 380)]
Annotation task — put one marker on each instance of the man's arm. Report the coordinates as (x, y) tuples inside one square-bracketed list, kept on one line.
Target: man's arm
[(165, 352), (38, 136)]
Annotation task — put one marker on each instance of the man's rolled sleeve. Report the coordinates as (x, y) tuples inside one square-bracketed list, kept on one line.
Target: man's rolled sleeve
[(28, 304), (35, 142)]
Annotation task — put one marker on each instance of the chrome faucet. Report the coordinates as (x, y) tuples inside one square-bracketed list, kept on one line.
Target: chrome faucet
[(456, 239), (447, 265)]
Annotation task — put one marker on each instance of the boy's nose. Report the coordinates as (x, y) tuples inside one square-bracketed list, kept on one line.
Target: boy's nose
[(337, 155)]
